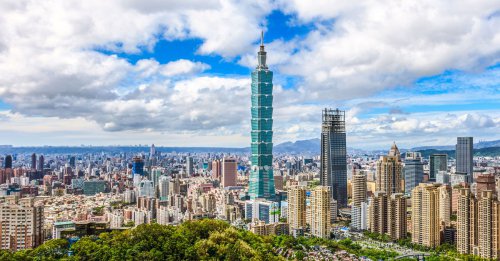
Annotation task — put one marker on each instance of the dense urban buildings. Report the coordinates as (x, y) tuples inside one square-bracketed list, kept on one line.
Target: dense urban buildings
[(261, 183), (334, 155)]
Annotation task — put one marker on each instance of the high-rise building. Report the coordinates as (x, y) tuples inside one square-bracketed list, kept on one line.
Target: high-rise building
[(437, 162), (137, 166), (189, 166), (464, 153), (8, 162), (146, 189), (478, 224), (333, 171), (377, 213), (163, 186), (41, 163), (413, 170), (229, 172), (92, 187), (359, 216), (21, 223), (152, 151), (445, 205), (321, 211), (33, 161), (261, 182), (396, 216), (297, 209), (358, 189), (488, 224), (389, 172), (465, 210), (387, 214), (485, 182), (216, 169), (425, 215)]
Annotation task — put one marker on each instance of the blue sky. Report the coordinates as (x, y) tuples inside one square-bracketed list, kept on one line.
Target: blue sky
[(178, 74)]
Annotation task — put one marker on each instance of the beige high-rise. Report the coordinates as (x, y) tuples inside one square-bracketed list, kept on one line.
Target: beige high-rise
[(397, 216), (387, 215), (321, 212), (425, 215), (464, 229), (21, 224), (389, 172), (445, 205), (488, 225), (358, 189), (478, 224), (377, 213), (297, 207)]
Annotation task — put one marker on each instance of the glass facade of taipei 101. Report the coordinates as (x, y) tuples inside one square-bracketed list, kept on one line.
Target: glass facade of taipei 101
[(261, 184)]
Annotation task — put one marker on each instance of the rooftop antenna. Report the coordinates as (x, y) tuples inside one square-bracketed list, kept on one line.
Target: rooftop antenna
[(262, 38)]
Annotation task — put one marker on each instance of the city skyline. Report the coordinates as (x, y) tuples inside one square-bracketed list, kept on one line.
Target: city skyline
[(130, 73)]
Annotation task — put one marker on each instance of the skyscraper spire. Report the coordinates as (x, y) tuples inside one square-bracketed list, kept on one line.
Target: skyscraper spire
[(262, 53)]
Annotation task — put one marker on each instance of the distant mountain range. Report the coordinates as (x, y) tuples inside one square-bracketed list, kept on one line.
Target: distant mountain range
[(310, 146), (479, 145)]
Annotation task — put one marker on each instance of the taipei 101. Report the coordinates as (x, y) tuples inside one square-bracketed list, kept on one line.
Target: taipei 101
[(249, 130)]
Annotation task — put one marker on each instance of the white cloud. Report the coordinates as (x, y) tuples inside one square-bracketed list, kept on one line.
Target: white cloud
[(53, 65)]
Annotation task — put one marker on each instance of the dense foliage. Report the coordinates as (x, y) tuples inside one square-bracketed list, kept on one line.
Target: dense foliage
[(194, 240)]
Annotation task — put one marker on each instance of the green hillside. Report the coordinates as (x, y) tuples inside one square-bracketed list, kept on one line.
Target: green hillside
[(485, 152)]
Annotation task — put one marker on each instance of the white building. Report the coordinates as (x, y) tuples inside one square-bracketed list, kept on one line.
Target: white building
[(359, 216)]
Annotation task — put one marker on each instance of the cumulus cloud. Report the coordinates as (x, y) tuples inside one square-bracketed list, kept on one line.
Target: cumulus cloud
[(360, 48), (57, 62)]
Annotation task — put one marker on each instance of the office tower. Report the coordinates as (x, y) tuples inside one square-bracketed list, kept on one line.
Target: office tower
[(445, 205), (485, 182), (33, 161), (321, 211), (189, 166), (413, 170), (396, 216), (261, 182), (137, 166), (333, 171), (389, 170), (152, 151), (216, 169), (463, 155), (163, 186), (437, 162), (21, 223), (465, 228), (72, 161), (229, 172), (8, 162), (297, 209), (92, 187), (358, 189), (425, 215), (41, 163)]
